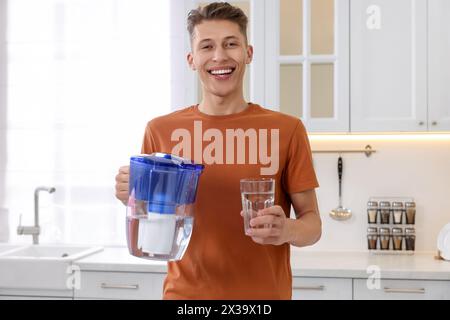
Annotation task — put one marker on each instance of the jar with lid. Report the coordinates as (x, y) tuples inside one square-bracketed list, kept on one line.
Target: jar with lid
[(372, 212), (385, 237), (410, 239), (397, 238), (372, 238), (410, 213), (397, 212), (385, 212)]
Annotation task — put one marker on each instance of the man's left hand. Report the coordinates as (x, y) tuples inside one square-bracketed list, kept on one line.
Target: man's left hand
[(269, 226)]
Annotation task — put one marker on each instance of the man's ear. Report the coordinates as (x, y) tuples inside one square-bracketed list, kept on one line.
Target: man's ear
[(249, 57), (190, 60)]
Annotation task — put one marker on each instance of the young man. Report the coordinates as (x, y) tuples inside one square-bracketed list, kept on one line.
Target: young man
[(235, 140)]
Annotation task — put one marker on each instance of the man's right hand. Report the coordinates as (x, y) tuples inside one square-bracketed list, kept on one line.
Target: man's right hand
[(122, 179)]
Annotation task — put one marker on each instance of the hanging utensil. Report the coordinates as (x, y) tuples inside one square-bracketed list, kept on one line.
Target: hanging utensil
[(340, 213)]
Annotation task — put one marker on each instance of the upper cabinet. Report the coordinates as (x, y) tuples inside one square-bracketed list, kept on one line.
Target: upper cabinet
[(388, 65), (307, 61), (399, 76), (439, 65)]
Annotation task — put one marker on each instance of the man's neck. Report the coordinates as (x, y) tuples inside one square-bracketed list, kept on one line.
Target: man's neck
[(219, 106)]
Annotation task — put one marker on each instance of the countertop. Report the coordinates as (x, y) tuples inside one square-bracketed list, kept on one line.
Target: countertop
[(333, 264)]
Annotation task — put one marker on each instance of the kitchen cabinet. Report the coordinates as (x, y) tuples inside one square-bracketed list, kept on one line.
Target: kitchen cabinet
[(439, 65), (306, 53), (305, 288), (388, 68), (35, 294), (402, 290), (399, 69), (120, 285)]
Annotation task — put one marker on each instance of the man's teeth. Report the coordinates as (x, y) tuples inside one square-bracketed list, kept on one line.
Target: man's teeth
[(224, 71)]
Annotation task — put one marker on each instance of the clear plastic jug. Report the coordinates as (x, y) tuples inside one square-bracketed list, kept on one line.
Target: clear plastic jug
[(160, 217)]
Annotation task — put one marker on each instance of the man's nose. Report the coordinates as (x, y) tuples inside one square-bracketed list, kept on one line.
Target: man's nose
[(220, 54)]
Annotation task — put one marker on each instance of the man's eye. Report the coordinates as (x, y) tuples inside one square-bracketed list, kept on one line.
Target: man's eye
[(207, 47), (232, 44)]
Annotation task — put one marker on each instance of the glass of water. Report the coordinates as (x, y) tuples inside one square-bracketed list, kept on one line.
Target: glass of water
[(256, 194)]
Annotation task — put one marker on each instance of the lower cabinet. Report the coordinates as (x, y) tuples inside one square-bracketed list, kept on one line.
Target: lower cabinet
[(401, 290), (305, 288), (120, 285)]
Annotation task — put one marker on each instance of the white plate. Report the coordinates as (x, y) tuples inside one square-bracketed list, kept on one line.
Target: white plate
[(445, 254), (443, 242)]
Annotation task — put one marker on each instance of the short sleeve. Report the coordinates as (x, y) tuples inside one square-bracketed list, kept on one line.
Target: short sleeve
[(299, 174), (148, 143)]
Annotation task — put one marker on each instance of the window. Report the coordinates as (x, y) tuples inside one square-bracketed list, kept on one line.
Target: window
[(79, 80)]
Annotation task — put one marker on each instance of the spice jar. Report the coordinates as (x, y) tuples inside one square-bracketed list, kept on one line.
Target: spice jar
[(410, 239), (397, 212), (372, 211), (385, 212), (385, 237), (410, 212), (372, 238), (397, 238)]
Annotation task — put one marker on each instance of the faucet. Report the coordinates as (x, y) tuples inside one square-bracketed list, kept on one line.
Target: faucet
[(36, 229)]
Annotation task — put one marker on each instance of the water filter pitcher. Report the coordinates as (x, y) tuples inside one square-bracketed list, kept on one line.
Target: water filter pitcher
[(160, 217)]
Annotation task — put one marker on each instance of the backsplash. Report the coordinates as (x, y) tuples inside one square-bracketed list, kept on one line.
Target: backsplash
[(402, 167)]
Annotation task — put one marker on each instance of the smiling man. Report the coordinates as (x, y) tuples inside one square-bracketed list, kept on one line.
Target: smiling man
[(235, 139)]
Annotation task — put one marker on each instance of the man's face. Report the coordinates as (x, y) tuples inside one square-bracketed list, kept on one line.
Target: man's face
[(220, 55)]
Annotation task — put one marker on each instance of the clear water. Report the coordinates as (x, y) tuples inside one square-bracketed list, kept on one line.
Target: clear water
[(147, 239), (254, 201)]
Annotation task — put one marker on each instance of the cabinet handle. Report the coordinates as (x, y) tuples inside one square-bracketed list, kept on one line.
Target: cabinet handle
[(404, 290), (119, 286), (318, 288), (434, 123), (421, 123)]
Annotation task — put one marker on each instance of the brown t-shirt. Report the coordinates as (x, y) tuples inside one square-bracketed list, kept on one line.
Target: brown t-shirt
[(221, 262)]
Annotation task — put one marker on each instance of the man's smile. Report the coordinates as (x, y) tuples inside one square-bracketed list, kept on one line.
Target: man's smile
[(221, 73)]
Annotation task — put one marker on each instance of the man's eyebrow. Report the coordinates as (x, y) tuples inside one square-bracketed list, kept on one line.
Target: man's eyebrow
[(204, 40), (226, 38)]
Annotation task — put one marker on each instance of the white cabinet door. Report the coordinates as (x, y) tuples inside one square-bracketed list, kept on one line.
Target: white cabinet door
[(120, 285), (439, 65), (307, 61), (304, 288), (388, 67), (402, 290)]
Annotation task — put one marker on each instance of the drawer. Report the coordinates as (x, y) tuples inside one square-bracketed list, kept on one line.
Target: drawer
[(402, 290), (120, 285), (306, 288)]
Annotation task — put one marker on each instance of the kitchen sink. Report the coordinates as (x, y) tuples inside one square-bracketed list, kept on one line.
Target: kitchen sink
[(44, 267), (50, 252), (5, 248)]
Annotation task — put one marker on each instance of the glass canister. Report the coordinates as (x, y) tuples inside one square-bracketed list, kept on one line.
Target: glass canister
[(385, 237), (372, 238), (397, 238), (160, 216), (410, 213), (410, 239), (372, 212), (397, 212), (385, 212)]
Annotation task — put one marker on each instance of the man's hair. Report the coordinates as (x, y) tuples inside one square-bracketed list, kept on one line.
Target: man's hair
[(217, 11)]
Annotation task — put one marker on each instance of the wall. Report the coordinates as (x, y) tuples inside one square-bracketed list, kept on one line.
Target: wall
[(414, 166), (4, 233)]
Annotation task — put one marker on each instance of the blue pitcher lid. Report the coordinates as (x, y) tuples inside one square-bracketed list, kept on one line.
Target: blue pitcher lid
[(167, 160)]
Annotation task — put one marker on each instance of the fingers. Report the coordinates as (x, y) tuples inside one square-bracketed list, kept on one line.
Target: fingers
[(124, 169), (264, 232), (273, 210), (275, 221), (124, 175), (122, 179)]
